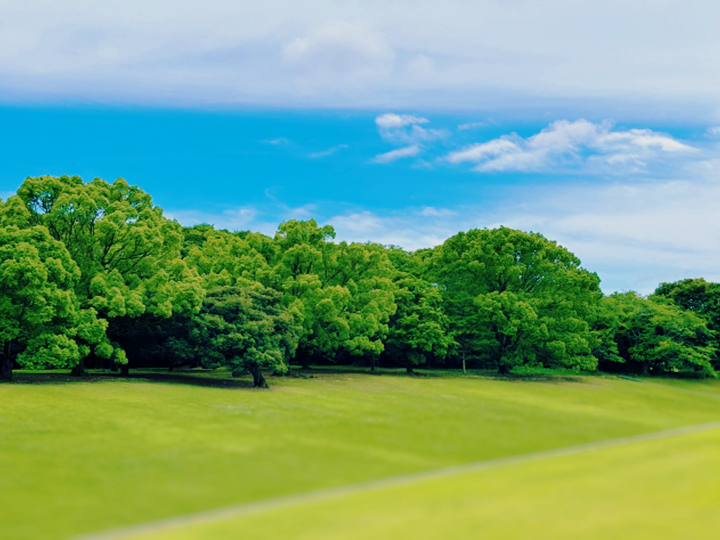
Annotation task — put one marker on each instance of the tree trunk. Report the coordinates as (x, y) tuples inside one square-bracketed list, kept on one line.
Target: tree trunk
[(124, 370), (79, 370), (372, 362), (463, 359), (6, 364), (409, 369), (504, 369), (258, 379)]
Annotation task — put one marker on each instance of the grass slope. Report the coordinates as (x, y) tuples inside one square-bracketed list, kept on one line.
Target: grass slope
[(663, 489), (92, 455)]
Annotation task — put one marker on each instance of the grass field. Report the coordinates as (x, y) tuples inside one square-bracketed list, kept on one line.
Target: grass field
[(82, 457)]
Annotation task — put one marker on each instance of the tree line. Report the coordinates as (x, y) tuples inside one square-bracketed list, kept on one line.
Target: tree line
[(93, 275)]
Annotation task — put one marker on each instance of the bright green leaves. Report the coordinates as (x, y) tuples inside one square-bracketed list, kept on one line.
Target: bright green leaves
[(245, 329), (653, 335), (225, 259), (37, 298), (94, 270), (516, 298), (39, 309), (345, 292), (127, 252), (37, 277), (419, 328), (120, 258), (50, 350)]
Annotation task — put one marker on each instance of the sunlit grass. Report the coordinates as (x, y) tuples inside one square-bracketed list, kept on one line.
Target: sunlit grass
[(91, 455), (663, 489)]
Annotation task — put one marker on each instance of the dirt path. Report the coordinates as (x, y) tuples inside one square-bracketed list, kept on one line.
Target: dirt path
[(351, 489)]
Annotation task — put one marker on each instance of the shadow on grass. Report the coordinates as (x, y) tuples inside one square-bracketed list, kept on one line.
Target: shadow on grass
[(440, 374), (223, 379), (205, 378)]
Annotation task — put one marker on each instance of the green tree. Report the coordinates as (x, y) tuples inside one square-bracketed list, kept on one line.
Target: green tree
[(345, 292), (652, 336), (127, 251), (517, 298), (245, 329), (225, 259), (701, 297), (419, 328), (39, 311)]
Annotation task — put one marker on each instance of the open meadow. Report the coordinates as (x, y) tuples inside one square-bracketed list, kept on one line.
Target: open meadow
[(86, 456)]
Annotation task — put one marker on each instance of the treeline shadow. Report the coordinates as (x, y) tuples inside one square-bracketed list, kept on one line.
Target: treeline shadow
[(213, 379), (169, 377)]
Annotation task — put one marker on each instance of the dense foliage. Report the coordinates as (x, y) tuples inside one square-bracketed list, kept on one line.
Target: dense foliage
[(94, 275)]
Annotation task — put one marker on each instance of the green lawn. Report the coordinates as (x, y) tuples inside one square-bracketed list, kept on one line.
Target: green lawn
[(664, 489), (79, 457)]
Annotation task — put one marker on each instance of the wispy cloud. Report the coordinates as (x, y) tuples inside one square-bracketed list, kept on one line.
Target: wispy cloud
[(394, 121), (471, 125), (399, 230), (406, 129), (633, 235), (338, 53), (232, 219), (400, 153), (280, 141), (328, 152), (430, 211), (567, 144)]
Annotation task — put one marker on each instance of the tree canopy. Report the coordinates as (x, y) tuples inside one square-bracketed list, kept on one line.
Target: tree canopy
[(516, 298), (39, 310), (94, 275), (653, 336)]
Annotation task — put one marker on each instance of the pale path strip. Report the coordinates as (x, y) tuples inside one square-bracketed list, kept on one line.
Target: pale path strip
[(393, 481)]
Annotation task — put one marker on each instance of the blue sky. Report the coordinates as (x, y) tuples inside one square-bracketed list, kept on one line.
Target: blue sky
[(397, 122)]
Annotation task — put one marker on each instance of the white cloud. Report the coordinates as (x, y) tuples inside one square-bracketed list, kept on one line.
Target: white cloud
[(232, 219), (280, 141), (429, 211), (405, 129), (564, 143), (471, 125), (452, 55), (420, 68), (389, 121), (338, 52), (304, 212), (393, 155), (634, 235), (397, 230), (328, 152)]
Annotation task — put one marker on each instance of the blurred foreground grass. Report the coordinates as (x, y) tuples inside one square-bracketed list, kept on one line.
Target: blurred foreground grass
[(662, 489), (83, 456)]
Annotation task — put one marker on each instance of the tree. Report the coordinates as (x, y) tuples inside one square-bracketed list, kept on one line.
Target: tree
[(517, 298), (245, 329), (344, 291), (653, 336), (224, 258), (127, 252), (38, 307), (419, 327), (700, 297), (507, 330)]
